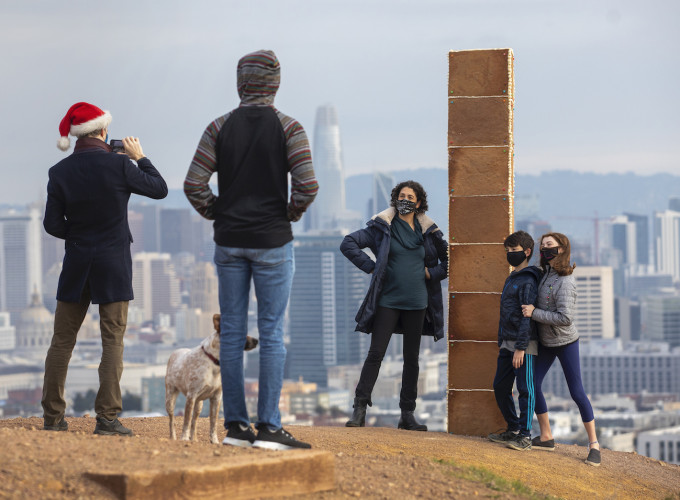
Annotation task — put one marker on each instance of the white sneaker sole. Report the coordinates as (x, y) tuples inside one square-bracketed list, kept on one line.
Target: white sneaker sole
[(237, 442), (270, 445)]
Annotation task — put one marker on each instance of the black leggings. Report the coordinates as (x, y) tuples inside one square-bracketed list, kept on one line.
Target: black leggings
[(385, 323)]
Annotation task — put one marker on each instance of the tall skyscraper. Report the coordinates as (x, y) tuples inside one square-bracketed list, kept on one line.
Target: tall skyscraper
[(667, 243), (176, 230), (151, 225), (327, 156), (205, 288), (20, 259), (595, 302), (382, 193), (641, 237), (155, 285), (327, 292)]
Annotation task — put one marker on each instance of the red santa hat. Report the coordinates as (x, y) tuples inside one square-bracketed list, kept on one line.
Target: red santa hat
[(81, 119)]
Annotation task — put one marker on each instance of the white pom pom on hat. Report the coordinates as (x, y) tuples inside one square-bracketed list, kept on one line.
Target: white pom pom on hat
[(81, 119)]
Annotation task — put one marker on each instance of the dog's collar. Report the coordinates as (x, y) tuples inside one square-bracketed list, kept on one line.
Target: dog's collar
[(212, 358)]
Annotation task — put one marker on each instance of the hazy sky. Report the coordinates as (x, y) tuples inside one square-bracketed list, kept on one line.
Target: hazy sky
[(596, 81)]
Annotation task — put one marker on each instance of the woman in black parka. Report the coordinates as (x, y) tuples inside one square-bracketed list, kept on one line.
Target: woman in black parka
[(404, 296)]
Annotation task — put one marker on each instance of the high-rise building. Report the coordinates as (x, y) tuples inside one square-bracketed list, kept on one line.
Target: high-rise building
[(205, 288), (628, 318), (176, 230), (7, 333), (155, 285), (327, 292), (136, 224), (383, 183), (327, 156), (152, 225), (595, 303), (667, 243), (641, 237), (20, 260), (661, 318)]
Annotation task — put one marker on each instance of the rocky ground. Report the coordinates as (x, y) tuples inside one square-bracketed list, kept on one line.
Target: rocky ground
[(370, 462)]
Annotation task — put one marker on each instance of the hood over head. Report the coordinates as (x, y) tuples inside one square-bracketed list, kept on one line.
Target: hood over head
[(257, 78)]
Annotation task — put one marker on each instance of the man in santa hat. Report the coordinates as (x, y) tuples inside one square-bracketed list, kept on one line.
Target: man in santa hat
[(87, 198)]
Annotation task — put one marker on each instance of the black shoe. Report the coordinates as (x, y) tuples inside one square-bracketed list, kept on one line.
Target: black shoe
[(408, 422), (593, 457), (520, 443), (239, 434), (502, 437), (359, 415), (62, 425), (548, 445), (113, 427), (277, 440)]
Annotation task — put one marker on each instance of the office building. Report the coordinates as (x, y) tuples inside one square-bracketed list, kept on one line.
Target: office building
[(155, 285), (176, 230), (595, 303), (327, 292), (20, 259), (151, 225), (661, 318), (667, 243), (136, 225), (381, 196), (327, 156), (613, 366), (661, 444), (628, 319), (7, 333), (641, 223)]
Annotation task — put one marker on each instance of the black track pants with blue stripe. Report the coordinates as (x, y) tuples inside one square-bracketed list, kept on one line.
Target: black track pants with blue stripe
[(506, 375)]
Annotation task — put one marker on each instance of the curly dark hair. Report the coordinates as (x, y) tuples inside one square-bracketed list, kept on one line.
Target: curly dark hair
[(421, 195)]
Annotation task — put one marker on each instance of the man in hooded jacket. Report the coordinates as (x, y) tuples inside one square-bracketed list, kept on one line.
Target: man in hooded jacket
[(253, 149)]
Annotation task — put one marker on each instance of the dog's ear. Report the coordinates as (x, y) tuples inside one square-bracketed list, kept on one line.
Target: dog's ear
[(251, 343), (216, 322)]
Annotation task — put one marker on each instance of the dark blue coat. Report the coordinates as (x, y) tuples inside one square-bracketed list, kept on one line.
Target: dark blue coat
[(87, 198), (521, 287), (377, 236)]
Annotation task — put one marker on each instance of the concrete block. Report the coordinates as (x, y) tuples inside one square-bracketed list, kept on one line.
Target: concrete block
[(474, 316), (480, 73), (474, 413), (480, 171), (480, 219), (294, 473), (472, 365), (477, 268), (480, 122)]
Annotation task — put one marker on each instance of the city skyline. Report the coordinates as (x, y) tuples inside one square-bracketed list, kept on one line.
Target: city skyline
[(595, 87)]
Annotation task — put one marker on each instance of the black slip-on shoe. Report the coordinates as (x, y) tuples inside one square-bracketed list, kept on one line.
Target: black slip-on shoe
[(548, 445), (593, 457)]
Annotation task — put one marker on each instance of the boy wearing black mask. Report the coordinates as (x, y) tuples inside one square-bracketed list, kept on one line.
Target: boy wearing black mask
[(518, 343)]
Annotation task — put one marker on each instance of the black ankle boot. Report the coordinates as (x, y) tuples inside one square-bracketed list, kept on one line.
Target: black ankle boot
[(359, 414), (408, 422)]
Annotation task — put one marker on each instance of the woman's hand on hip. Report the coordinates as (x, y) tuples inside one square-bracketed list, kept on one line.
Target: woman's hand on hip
[(527, 310)]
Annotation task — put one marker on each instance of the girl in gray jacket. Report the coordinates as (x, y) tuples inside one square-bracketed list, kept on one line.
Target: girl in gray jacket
[(558, 338)]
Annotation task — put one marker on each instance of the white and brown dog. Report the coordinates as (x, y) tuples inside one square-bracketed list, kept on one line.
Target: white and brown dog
[(196, 374)]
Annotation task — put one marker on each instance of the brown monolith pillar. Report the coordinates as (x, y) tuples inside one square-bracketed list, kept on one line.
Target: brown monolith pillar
[(481, 189)]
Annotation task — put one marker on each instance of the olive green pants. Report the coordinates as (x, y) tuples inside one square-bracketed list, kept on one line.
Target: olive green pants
[(68, 318)]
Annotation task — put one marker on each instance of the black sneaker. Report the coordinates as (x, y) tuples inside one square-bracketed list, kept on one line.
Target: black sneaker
[(62, 425), (502, 437), (520, 443), (548, 445), (593, 457), (239, 434), (278, 440), (106, 427)]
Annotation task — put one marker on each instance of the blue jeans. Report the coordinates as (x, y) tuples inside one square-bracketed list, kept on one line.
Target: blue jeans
[(271, 270)]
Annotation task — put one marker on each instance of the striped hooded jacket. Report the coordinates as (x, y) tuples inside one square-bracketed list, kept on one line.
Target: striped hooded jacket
[(253, 149)]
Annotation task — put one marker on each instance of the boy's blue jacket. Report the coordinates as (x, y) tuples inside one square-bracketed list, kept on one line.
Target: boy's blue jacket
[(377, 236), (521, 287)]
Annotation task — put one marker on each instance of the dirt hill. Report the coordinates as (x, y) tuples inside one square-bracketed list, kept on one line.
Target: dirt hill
[(369, 462)]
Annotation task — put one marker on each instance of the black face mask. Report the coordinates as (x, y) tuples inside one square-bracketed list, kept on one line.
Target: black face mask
[(549, 253), (516, 258), (405, 206)]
